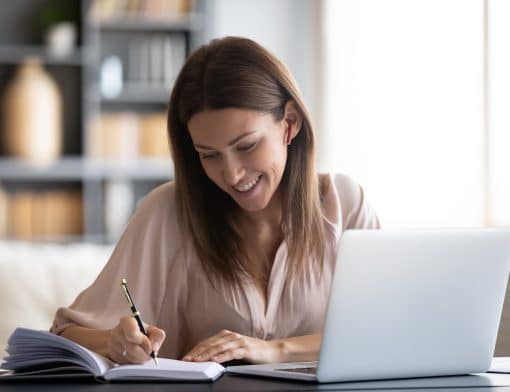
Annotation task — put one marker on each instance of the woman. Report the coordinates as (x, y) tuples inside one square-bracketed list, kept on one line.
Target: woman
[(234, 259)]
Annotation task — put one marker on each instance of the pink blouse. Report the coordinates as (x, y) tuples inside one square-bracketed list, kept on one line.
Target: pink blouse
[(171, 290)]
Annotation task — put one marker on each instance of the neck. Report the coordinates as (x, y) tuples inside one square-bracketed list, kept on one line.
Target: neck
[(269, 217)]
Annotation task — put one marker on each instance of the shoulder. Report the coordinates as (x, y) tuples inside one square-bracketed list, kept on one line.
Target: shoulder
[(158, 206), (349, 190), (155, 217), (354, 211), (161, 197)]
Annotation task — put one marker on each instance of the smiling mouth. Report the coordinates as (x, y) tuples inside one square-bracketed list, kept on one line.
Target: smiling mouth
[(247, 187)]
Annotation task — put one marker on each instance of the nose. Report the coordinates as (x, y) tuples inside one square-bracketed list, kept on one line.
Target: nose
[(233, 170)]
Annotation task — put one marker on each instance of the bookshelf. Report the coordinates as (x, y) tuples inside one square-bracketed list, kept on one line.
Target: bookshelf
[(114, 147)]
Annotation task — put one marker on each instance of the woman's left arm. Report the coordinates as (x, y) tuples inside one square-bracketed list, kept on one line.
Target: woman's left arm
[(227, 345)]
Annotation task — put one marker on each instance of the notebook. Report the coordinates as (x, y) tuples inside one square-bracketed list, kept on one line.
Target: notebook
[(408, 303), (39, 354)]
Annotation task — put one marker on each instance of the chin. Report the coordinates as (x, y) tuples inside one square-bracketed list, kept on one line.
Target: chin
[(252, 207)]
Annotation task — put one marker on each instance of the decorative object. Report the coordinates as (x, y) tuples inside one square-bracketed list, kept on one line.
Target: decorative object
[(61, 39), (111, 77), (32, 113)]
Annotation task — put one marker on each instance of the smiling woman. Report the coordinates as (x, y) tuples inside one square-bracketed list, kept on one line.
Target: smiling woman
[(227, 89), (233, 259)]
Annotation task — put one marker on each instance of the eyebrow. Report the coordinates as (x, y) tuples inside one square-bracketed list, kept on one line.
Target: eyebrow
[(233, 141)]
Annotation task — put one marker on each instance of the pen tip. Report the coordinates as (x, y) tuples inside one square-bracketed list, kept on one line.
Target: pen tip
[(123, 281)]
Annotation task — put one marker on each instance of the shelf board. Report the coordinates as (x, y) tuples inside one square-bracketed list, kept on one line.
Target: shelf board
[(77, 169), (140, 93), (186, 22), (15, 54)]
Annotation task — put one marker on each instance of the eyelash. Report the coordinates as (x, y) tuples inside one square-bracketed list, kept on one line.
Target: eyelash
[(208, 156), (248, 147), (243, 149)]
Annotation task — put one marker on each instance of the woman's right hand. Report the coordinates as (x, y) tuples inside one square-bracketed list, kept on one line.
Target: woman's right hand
[(127, 344)]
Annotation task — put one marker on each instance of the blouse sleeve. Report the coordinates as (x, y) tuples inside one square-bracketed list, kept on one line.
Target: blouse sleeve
[(147, 255), (356, 211)]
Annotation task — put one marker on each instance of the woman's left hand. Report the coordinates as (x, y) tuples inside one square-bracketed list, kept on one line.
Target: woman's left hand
[(228, 345)]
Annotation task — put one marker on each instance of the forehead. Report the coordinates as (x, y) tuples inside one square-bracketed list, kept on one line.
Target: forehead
[(225, 124)]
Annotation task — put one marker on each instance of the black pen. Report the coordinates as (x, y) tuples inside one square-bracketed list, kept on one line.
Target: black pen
[(136, 314)]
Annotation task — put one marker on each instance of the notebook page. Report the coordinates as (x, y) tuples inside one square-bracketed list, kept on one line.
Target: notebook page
[(28, 347)]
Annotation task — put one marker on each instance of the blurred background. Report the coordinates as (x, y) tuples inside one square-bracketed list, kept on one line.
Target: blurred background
[(411, 98)]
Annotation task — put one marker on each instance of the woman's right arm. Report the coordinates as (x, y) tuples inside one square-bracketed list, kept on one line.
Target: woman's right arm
[(122, 344), (99, 318)]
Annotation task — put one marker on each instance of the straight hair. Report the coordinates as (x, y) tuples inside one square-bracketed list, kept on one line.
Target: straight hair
[(235, 72)]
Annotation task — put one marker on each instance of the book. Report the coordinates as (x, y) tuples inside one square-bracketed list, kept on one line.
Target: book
[(40, 354)]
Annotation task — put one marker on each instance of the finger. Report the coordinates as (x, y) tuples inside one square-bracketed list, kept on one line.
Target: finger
[(156, 337), (237, 353), (205, 344), (131, 330), (117, 352), (200, 347), (136, 354), (133, 335), (222, 346)]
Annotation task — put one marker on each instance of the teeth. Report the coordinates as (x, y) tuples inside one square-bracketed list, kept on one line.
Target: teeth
[(248, 186)]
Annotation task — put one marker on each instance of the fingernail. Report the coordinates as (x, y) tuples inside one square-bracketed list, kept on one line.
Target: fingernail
[(156, 346)]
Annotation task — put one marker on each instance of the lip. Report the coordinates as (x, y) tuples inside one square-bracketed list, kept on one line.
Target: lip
[(251, 191), (256, 179)]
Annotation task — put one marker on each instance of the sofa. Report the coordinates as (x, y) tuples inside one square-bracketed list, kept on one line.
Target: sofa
[(35, 279)]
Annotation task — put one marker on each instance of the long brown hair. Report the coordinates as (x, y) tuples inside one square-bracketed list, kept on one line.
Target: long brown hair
[(237, 72)]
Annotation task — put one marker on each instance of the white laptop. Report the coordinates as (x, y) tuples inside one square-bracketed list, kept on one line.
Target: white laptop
[(407, 304)]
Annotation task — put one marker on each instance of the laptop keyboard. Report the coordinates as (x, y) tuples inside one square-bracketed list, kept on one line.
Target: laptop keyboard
[(306, 370)]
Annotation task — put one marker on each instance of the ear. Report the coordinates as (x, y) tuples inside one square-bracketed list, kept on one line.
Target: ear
[(293, 120)]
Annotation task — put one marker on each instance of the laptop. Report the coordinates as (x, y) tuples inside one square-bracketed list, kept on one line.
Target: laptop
[(406, 304)]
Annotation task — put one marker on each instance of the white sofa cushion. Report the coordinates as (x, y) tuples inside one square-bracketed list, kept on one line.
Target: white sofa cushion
[(36, 279)]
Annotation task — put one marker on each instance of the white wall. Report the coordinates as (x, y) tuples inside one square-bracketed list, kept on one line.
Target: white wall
[(403, 107)]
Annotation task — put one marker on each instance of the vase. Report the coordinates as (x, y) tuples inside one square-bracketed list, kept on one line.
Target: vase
[(32, 109)]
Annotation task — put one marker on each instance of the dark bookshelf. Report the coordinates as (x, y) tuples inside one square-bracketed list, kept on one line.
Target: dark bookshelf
[(78, 75)]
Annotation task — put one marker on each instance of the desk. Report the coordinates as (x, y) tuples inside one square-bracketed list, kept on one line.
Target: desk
[(229, 383)]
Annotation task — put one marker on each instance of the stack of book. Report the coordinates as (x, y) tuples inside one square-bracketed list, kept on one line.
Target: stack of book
[(127, 135), (154, 60), (47, 215), (153, 136)]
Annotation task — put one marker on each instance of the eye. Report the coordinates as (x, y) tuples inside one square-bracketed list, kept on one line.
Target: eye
[(210, 155), (247, 147)]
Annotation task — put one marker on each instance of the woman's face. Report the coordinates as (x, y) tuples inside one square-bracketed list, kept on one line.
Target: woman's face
[(243, 152)]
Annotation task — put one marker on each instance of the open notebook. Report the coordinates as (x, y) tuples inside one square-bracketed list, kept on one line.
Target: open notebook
[(39, 354)]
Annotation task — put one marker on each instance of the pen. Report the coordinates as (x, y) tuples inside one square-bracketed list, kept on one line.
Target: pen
[(136, 315)]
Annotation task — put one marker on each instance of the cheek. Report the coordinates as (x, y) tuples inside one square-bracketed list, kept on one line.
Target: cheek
[(278, 157), (273, 154)]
